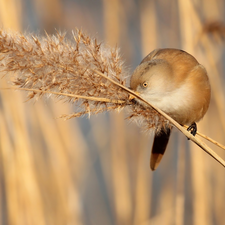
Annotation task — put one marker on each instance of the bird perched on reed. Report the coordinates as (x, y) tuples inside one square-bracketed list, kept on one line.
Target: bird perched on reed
[(176, 83)]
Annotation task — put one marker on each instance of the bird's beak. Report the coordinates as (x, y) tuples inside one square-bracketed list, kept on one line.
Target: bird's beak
[(131, 97)]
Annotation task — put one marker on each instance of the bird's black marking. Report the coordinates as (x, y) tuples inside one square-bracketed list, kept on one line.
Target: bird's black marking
[(182, 50), (147, 67), (161, 141)]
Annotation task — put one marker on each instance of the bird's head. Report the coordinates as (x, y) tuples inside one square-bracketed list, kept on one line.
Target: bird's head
[(152, 79)]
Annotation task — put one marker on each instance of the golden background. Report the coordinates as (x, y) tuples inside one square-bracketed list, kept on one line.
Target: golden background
[(96, 171)]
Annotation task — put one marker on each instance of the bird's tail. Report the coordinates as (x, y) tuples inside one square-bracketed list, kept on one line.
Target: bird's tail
[(159, 146)]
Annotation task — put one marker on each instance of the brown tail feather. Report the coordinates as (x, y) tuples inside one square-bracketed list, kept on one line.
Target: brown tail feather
[(159, 146)]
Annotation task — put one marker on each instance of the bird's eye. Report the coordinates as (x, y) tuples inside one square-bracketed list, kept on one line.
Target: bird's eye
[(145, 84)]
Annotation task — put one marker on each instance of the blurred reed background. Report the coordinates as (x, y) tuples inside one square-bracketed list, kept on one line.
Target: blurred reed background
[(96, 171)]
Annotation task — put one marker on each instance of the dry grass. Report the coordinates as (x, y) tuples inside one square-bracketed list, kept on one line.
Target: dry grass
[(54, 65)]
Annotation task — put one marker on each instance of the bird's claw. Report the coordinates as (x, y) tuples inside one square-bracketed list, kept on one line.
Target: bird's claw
[(193, 129)]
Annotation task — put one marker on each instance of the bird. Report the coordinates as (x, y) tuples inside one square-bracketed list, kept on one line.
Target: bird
[(175, 82)]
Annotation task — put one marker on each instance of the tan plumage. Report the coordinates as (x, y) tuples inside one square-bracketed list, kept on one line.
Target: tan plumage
[(175, 82)]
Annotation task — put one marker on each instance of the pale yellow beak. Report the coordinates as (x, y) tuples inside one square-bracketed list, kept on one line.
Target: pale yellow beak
[(131, 97)]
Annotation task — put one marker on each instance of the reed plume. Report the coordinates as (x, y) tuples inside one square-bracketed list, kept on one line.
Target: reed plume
[(82, 71)]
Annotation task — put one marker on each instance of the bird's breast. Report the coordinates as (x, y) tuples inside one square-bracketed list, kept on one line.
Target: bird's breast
[(183, 104)]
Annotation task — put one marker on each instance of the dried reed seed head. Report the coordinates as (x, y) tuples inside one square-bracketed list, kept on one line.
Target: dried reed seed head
[(55, 64), (147, 118)]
